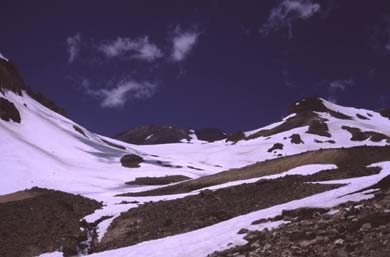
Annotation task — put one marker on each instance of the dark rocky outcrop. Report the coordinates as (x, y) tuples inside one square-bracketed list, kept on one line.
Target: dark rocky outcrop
[(10, 78), (385, 113), (131, 161), (277, 146), (210, 134), (37, 221), (296, 139), (318, 127), (8, 111), (358, 135), (235, 137)]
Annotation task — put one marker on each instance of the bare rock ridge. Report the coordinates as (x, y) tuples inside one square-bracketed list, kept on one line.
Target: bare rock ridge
[(155, 134), (10, 79)]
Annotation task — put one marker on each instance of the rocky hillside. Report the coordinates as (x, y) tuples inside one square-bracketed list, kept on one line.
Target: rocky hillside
[(313, 184)]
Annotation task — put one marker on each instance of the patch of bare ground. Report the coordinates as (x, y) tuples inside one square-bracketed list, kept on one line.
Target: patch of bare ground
[(157, 180), (343, 157), (166, 218), (354, 229), (38, 220)]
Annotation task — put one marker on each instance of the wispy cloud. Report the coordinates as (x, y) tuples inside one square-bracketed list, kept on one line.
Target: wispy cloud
[(73, 47), (183, 43), (140, 48), (123, 92), (380, 36), (286, 13), (337, 86)]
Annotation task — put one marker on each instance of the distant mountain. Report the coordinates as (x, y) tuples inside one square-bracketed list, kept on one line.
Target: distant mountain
[(155, 134)]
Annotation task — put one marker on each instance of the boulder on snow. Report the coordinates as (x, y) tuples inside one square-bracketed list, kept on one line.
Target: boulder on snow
[(8, 111), (277, 146), (296, 139), (131, 161)]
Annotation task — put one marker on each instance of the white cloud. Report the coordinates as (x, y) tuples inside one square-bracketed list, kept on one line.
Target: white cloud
[(73, 47), (287, 12), (123, 92), (183, 43), (139, 48), (337, 86)]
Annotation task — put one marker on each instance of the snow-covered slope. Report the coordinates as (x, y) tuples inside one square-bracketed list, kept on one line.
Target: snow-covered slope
[(48, 150)]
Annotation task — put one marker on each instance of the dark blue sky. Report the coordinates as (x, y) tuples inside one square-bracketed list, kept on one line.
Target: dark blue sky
[(238, 64)]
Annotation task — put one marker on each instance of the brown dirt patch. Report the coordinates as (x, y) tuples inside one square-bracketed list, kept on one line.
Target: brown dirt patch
[(157, 180), (42, 220)]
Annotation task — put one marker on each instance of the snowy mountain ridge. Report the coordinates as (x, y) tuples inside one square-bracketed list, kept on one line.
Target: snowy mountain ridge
[(48, 150)]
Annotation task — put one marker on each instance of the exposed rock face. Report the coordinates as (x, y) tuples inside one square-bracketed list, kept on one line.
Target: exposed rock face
[(10, 78), (277, 146), (8, 111), (358, 135), (385, 113), (210, 134), (131, 161), (37, 221), (318, 127), (153, 134)]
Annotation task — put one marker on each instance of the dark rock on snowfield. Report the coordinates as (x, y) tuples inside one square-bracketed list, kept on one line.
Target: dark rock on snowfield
[(8, 111), (296, 139), (131, 161), (38, 220), (319, 127), (358, 135), (277, 146)]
